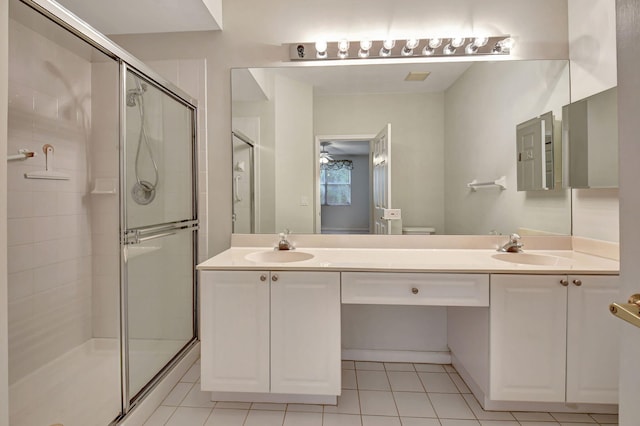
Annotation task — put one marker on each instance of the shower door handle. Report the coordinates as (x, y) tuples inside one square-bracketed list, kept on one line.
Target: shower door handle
[(236, 190), (153, 237), (137, 236)]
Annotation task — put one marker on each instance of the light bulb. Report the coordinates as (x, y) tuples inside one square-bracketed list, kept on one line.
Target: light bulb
[(343, 45), (365, 44), (449, 50), (471, 49), (321, 49), (428, 51), (342, 54), (507, 43), (412, 43), (407, 50), (434, 43), (457, 41), (480, 41), (389, 44)]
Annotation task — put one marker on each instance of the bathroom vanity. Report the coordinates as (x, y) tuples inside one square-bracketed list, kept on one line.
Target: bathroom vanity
[(528, 331)]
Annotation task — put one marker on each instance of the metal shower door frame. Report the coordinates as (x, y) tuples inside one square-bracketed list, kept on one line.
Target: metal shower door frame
[(126, 237)]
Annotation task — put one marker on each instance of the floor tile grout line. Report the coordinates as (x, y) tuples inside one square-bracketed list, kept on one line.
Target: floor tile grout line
[(210, 414), (168, 418), (393, 396), (463, 398)]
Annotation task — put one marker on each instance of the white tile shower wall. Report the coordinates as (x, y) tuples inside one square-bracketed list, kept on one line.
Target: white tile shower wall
[(49, 242), (104, 206)]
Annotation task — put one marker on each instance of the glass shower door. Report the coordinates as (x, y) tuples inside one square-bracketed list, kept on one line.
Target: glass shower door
[(159, 231)]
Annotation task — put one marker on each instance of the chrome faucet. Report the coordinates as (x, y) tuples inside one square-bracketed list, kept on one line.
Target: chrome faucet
[(513, 245), (284, 244)]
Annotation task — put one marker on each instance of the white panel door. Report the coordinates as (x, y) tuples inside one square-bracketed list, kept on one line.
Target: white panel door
[(381, 147), (528, 338), (234, 324), (305, 333), (531, 156), (593, 346)]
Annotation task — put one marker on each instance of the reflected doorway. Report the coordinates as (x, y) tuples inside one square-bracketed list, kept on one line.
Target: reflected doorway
[(344, 185)]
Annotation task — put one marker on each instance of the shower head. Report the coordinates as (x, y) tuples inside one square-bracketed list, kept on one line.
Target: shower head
[(132, 94)]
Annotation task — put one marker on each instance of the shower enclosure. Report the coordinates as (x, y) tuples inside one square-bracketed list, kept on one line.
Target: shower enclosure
[(243, 184), (102, 222)]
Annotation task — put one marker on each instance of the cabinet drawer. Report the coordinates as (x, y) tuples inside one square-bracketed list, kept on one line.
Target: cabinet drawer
[(380, 288)]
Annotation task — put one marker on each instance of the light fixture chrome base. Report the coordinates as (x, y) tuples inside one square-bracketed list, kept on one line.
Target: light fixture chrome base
[(445, 47)]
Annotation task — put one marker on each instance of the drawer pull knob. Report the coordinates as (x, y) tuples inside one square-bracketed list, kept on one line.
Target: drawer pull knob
[(274, 278), (263, 277), (577, 282), (564, 282), (414, 290)]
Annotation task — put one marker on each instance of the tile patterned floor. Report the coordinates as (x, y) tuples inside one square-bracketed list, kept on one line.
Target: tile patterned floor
[(374, 394)]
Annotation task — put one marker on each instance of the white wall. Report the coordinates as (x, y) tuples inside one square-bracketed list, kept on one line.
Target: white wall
[(294, 183), (255, 30), (417, 145), (592, 47), (4, 78), (482, 110)]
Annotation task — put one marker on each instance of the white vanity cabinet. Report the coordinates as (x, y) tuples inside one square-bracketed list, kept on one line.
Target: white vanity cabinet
[(271, 332), (552, 339)]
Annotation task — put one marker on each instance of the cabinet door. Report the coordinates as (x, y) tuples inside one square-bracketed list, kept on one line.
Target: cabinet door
[(528, 338), (305, 332), (234, 308), (592, 340)]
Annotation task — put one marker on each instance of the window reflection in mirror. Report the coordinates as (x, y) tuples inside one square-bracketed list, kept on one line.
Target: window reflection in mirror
[(457, 126)]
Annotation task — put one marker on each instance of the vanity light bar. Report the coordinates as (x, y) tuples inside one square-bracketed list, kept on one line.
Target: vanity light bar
[(411, 48)]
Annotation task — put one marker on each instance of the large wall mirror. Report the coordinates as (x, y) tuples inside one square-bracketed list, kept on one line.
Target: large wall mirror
[(317, 149)]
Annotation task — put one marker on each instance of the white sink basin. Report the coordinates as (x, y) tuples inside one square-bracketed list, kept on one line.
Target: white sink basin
[(531, 259), (275, 256)]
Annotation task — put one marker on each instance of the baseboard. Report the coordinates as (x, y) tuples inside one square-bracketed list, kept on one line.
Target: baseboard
[(145, 408), (397, 356), (475, 389), (554, 407), (274, 398)]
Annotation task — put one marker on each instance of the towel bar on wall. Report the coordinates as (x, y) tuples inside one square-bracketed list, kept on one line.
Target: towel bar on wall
[(500, 183)]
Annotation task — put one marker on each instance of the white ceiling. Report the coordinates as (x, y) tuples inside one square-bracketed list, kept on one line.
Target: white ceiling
[(355, 79), (380, 78), (147, 16)]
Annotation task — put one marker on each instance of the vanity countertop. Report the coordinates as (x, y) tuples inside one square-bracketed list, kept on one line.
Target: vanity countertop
[(418, 260)]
